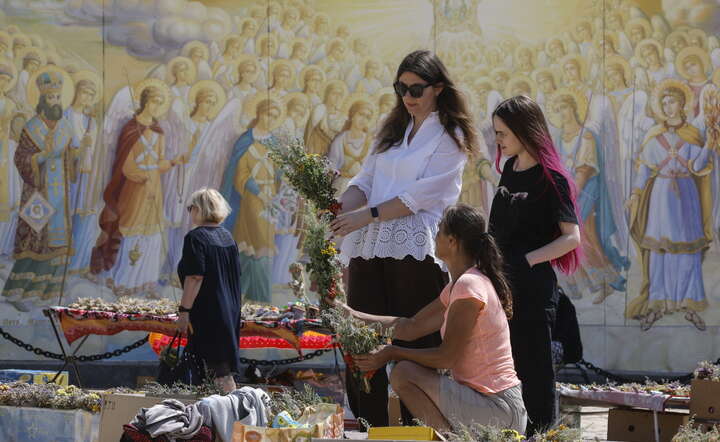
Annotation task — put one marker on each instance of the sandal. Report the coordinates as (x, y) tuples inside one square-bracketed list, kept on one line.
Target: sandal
[(648, 320), (696, 320)]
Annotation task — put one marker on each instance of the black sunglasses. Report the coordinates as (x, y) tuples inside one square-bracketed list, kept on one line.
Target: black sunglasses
[(416, 90)]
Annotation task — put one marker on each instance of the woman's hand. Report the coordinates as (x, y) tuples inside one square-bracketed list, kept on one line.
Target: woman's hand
[(350, 222), (375, 359), (183, 324)]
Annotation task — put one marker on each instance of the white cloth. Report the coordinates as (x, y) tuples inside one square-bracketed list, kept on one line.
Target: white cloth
[(247, 405), (170, 418), (426, 175)]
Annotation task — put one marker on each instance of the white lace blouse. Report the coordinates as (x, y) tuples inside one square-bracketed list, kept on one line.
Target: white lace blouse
[(426, 175)]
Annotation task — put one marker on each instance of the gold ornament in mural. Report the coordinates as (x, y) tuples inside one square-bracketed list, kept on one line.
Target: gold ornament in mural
[(564, 96)]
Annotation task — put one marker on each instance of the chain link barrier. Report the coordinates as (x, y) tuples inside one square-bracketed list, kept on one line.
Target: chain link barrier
[(71, 358), (276, 362)]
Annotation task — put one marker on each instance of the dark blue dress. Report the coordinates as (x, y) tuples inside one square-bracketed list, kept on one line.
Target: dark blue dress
[(215, 316)]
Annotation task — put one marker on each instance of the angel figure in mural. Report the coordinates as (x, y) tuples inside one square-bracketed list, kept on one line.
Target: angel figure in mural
[(199, 54), (46, 159), (248, 33), (385, 99), (500, 78), (181, 76), (638, 29), (521, 84), (9, 185), (20, 43), (334, 63), (286, 31), (206, 98), (350, 147), (267, 46), (297, 111), (249, 184), (317, 33), (547, 83), (584, 157), (32, 59), (282, 77), (370, 81), (130, 250), (574, 71), (247, 70), (693, 65), (299, 51), (524, 59), (312, 82), (675, 42), (652, 68), (327, 119), (222, 69), (82, 118), (671, 207)]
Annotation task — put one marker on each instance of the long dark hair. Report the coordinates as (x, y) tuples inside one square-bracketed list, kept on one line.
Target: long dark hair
[(451, 105), (525, 119), (467, 225)]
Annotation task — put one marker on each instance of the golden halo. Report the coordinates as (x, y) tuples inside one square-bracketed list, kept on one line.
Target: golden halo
[(68, 88), (355, 98), (612, 36), (12, 29), (497, 71), (195, 44), (170, 77), (523, 48), (674, 36), (251, 104), (581, 104), (689, 52), (282, 62), (582, 22), (643, 23), (296, 96), (157, 83), (335, 41), (580, 62), (297, 40), (520, 78), (224, 41), (664, 85), (483, 81), (623, 63), (243, 59), (383, 92), (36, 41), (545, 71), (367, 60), (306, 70), (24, 38), (91, 77), (554, 39), (213, 86), (699, 33), (6, 38), (29, 51), (716, 78), (261, 39), (243, 21), (648, 42), (7, 64), (339, 83)]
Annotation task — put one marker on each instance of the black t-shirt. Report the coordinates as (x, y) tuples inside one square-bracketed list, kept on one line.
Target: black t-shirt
[(525, 216)]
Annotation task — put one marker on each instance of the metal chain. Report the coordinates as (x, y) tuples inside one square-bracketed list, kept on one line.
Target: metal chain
[(589, 365), (261, 362), (70, 358)]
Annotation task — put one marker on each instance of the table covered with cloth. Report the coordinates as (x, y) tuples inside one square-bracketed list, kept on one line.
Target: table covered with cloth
[(296, 334)]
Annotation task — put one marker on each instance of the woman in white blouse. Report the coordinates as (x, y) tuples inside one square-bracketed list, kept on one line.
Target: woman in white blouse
[(392, 208)]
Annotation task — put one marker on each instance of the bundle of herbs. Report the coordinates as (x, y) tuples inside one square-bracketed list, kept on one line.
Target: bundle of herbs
[(356, 338)]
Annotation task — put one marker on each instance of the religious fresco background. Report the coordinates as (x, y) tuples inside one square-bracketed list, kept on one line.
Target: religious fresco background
[(144, 101)]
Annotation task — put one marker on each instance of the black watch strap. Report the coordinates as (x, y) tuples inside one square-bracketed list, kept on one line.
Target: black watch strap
[(374, 212), (182, 309)]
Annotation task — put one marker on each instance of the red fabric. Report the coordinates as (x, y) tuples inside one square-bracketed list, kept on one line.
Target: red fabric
[(308, 341), (105, 252)]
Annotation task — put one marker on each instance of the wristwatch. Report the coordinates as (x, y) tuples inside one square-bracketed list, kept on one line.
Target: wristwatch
[(182, 309), (375, 214)]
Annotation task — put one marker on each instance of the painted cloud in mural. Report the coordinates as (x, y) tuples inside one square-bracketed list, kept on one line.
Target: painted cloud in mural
[(148, 28), (694, 13)]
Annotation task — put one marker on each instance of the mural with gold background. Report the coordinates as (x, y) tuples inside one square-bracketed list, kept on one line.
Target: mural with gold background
[(112, 113)]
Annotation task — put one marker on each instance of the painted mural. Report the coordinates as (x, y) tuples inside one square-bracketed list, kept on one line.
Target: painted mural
[(113, 113)]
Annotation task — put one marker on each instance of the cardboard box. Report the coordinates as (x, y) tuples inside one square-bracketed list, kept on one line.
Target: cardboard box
[(33, 376), (633, 425), (705, 399), (119, 409), (402, 433)]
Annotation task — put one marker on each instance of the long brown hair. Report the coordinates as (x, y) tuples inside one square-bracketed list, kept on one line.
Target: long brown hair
[(526, 120), (468, 226), (451, 105)]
